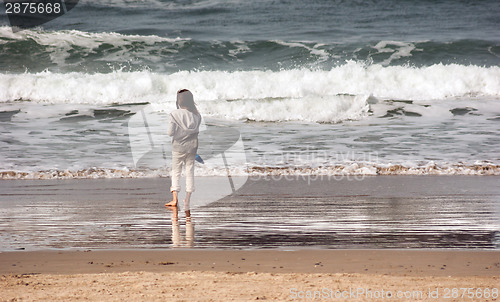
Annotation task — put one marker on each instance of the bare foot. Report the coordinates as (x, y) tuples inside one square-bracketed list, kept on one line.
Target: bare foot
[(173, 203)]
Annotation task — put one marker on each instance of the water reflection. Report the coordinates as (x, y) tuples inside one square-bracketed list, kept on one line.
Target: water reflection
[(179, 241), (409, 212), (378, 212)]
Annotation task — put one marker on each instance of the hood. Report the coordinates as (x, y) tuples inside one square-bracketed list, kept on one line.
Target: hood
[(186, 120)]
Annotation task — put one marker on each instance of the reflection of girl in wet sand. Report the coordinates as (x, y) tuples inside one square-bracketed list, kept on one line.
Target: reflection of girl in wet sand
[(184, 128), (177, 240)]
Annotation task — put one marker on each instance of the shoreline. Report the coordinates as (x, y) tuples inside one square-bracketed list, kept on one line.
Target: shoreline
[(418, 212), (296, 257), (257, 172)]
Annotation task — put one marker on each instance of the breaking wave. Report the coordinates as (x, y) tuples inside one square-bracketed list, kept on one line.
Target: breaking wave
[(342, 93)]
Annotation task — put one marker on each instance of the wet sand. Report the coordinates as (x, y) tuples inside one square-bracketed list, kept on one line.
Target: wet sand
[(393, 262), (275, 212), (216, 275)]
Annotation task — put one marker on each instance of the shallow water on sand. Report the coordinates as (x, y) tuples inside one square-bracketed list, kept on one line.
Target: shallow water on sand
[(376, 212)]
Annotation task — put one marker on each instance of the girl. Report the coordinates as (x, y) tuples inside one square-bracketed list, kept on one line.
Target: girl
[(184, 128)]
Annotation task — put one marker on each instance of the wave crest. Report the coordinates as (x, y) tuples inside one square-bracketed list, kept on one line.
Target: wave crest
[(341, 93)]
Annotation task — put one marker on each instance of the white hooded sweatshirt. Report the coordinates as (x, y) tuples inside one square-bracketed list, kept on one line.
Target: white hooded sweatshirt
[(184, 127)]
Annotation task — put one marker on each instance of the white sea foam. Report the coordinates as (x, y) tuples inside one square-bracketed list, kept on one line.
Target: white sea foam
[(299, 94), (314, 50), (404, 49), (354, 169), (79, 38), (311, 109), (59, 43), (241, 48)]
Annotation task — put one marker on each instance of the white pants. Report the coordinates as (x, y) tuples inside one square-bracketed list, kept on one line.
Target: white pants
[(178, 159)]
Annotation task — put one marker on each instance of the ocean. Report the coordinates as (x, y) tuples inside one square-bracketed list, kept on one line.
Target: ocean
[(338, 88)]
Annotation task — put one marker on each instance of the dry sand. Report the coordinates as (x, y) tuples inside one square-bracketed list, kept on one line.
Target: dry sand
[(217, 275)]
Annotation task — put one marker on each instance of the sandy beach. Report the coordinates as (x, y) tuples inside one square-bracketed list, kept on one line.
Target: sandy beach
[(216, 275)]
